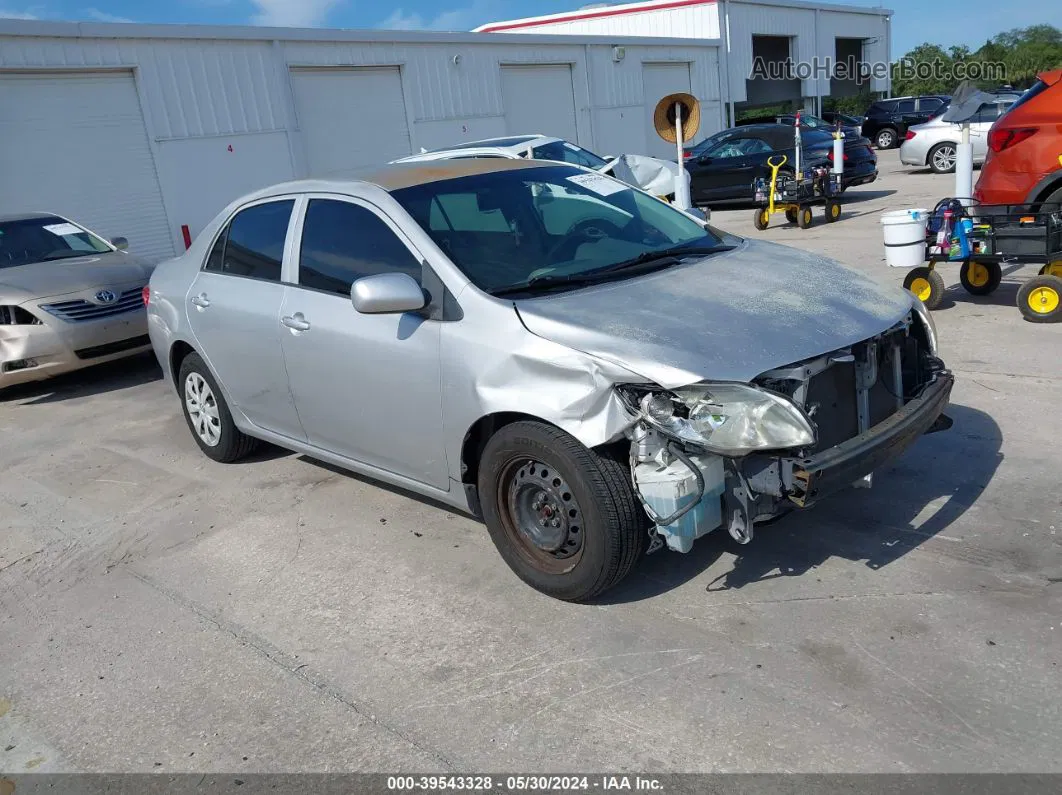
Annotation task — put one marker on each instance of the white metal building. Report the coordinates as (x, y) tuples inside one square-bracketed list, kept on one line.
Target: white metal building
[(774, 30), (148, 130)]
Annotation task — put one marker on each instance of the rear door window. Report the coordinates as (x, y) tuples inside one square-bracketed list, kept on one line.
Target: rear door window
[(930, 104), (905, 106), (253, 244)]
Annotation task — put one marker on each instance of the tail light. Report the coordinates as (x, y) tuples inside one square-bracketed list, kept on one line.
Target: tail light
[(687, 154), (829, 156), (1004, 138), (146, 294), (910, 134)]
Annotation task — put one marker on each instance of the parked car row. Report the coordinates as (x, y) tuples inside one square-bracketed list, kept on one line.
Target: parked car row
[(724, 167)]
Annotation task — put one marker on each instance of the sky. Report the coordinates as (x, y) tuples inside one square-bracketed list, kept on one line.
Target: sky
[(916, 21)]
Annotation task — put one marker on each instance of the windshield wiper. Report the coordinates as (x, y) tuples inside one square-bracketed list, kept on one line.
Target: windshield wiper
[(64, 255), (669, 255), (647, 262)]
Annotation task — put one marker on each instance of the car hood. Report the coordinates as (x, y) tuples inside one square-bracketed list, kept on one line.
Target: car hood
[(59, 277), (729, 317)]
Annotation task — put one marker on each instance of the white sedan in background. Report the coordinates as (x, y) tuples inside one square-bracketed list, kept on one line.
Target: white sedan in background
[(651, 174), (934, 143)]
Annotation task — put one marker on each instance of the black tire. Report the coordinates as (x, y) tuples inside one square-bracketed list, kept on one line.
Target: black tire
[(980, 278), (940, 160), (761, 218), (833, 210), (613, 532), (805, 218), (1040, 299), (885, 138), (927, 285), (791, 215), (232, 444)]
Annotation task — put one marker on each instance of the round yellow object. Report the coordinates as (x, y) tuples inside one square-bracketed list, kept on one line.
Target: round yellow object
[(1043, 300), (921, 288)]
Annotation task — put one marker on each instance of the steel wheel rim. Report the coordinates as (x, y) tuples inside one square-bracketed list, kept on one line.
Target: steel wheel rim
[(944, 158), (1043, 300), (541, 516), (202, 408)]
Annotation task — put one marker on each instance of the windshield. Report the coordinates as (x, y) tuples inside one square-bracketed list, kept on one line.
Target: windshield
[(28, 240), (814, 121), (567, 152), (508, 228)]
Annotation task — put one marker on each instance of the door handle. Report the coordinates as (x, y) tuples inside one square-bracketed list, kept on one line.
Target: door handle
[(200, 300), (296, 322)]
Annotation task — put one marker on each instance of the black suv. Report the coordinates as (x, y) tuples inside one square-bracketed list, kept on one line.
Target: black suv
[(887, 120)]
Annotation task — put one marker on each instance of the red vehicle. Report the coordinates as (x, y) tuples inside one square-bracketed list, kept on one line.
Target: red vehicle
[(1024, 163)]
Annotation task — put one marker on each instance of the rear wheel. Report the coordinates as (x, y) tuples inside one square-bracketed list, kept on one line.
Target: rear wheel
[(207, 414), (1052, 269), (980, 278), (761, 218), (886, 138), (564, 518), (791, 215), (1040, 299), (804, 217), (942, 158), (927, 286), (833, 210)]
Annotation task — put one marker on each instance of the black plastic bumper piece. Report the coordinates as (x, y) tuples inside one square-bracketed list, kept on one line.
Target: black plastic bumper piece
[(833, 469)]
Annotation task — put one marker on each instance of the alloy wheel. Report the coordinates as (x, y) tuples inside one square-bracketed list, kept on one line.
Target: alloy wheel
[(944, 158)]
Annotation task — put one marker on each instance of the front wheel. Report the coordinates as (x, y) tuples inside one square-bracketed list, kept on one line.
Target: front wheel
[(564, 518), (208, 415), (980, 278), (927, 285), (804, 217), (1040, 299), (833, 210), (761, 218)]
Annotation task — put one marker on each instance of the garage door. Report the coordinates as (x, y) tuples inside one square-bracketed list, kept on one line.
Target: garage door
[(350, 118), (539, 99), (76, 145), (659, 80)]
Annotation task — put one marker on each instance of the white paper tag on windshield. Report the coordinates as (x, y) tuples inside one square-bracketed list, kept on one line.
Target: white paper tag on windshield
[(602, 186), (64, 229)]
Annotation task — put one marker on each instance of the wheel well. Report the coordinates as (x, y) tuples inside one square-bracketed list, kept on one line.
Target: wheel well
[(485, 427), (178, 352), (1047, 190)]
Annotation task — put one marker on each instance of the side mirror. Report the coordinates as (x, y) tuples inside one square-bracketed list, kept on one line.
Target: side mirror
[(386, 294), (120, 243)]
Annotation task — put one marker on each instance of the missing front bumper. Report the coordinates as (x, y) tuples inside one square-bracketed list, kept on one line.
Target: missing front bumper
[(837, 467)]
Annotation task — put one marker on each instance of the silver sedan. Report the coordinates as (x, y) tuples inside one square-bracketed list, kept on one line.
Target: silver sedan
[(68, 298), (593, 372), (935, 143)]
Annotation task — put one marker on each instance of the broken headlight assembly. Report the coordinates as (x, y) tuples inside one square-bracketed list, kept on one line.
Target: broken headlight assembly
[(728, 419), (929, 325)]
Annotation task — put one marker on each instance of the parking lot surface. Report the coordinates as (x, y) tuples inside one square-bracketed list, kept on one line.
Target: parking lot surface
[(160, 612)]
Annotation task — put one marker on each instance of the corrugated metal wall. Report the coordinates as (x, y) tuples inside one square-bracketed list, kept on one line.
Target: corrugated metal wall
[(201, 88)]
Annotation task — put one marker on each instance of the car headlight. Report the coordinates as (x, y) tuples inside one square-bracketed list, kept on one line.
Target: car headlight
[(729, 419), (929, 324)]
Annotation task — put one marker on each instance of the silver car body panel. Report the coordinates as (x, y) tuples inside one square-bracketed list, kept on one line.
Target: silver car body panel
[(400, 408), (729, 317), (64, 296)]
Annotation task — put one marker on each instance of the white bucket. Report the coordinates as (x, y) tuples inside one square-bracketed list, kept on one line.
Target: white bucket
[(905, 237)]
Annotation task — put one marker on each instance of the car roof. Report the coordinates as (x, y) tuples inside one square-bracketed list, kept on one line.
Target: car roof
[(25, 216), (502, 143), (396, 176)]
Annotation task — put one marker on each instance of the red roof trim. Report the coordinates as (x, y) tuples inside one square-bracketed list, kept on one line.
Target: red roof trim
[(592, 14)]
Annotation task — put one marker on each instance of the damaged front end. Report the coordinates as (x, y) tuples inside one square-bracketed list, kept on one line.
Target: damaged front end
[(723, 454)]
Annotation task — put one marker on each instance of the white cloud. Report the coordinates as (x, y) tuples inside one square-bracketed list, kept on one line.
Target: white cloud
[(103, 16), (5, 14), (293, 13), (456, 19)]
